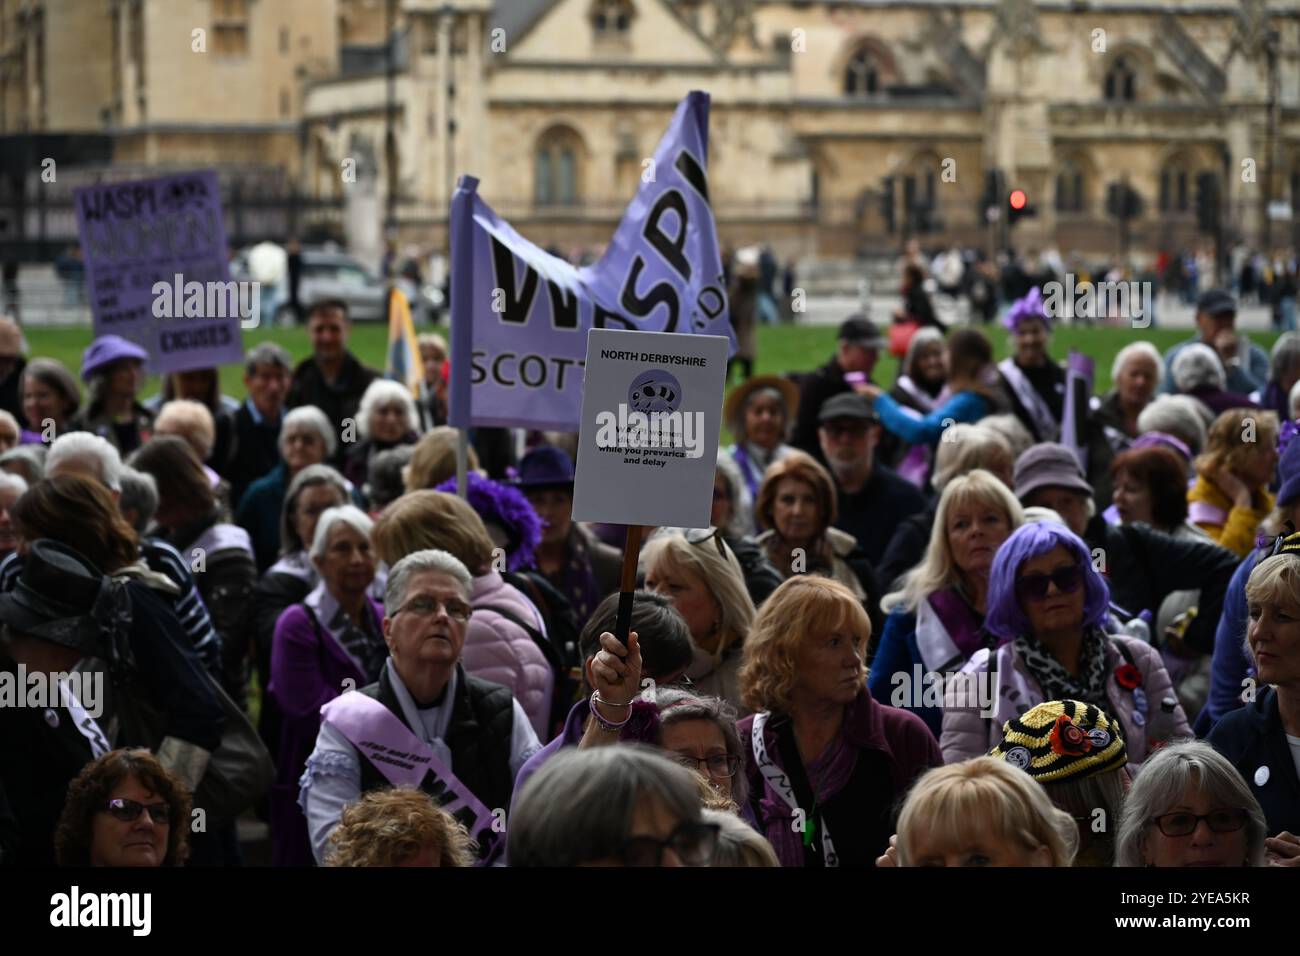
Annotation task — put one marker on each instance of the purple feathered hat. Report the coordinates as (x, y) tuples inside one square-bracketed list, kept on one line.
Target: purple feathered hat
[(507, 507), (1005, 619), (1029, 306)]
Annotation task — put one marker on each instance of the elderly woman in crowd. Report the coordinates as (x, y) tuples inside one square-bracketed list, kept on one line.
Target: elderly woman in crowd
[(971, 447), (313, 491), (113, 370), (1078, 754), (1231, 498), (612, 806), (124, 809), (332, 639), (971, 385), (306, 438), (982, 813), (702, 577), (202, 385), (25, 462), (760, 413), (385, 480), (922, 373), (820, 749), (1231, 665), (1181, 416), (387, 418), (1197, 372), (472, 735), (1136, 374), (50, 399), (192, 520), (583, 568), (1049, 605), (699, 732), (1259, 737), (1143, 566), (1034, 383), (1284, 376), (399, 827), (11, 489), (499, 646), (1189, 807), (797, 506), (936, 621)]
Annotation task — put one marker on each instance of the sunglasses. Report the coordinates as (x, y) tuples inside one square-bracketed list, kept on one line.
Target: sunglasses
[(703, 535), (1034, 586), (128, 811), (1181, 824), (693, 843)]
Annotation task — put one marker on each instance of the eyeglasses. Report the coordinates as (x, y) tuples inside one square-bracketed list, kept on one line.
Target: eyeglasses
[(701, 535), (1034, 586), (128, 811), (693, 843), (1181, 824), (428, 607), (718, 765)]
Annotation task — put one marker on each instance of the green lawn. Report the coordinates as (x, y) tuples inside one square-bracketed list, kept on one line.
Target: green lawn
[(784, 348)]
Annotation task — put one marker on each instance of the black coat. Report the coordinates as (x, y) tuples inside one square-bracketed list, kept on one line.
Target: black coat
[(817, 386), (254, 451), (339, 400), (1252, 737)]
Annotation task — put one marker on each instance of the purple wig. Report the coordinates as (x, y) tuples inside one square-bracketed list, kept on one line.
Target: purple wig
[(507, 508), (1005, 619), (1028, 306)]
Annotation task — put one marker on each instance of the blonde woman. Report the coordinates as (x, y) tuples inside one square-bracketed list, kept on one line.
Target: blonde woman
[(983, 812), (818, 748), (399, 827), (936, 619), (1230, 497), (434, 460), (701, 576)]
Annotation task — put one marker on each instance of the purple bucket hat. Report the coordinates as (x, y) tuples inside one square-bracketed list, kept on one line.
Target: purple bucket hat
[(106, 350)]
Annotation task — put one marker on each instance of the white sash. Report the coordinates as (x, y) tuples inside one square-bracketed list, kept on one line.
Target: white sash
[(1033, 403), (915, 392), (84, 722), (939, 652), (778, 781)]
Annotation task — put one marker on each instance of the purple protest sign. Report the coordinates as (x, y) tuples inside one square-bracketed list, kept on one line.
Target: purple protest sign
[(522, 315), (1080, 373), (157, 269)]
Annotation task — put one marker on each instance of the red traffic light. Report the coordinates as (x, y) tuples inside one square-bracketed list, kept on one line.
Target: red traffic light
[(1018, 199)]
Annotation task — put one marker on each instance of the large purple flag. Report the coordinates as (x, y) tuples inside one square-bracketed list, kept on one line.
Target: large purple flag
[(523, 314)]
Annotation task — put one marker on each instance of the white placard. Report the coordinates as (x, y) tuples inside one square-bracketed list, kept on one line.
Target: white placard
[(651, 418)]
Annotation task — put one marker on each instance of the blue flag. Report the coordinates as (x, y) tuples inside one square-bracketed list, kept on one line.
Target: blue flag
[(522, 315)]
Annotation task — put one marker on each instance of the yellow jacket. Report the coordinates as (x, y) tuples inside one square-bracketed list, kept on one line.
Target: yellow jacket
[(1232, 527)]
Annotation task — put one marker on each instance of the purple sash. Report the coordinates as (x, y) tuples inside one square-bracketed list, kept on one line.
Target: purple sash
[(1030, 400), (1202, 512), (407, 761)]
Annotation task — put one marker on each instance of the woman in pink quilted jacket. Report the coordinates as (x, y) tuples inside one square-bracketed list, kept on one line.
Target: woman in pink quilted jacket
[(1048, 607), (497, 646)]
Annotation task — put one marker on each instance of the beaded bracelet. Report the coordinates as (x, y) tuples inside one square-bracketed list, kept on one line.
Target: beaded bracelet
[(607, 724)]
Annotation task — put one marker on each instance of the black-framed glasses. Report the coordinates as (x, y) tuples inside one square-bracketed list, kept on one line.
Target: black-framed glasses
[(1034, 586), (128, 811), (701, 536), (456, 609), (717, 765), (693, 843), (1181, 823)]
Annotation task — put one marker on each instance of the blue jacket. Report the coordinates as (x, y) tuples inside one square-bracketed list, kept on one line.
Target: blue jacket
[(962, 407), (898, 654), (259, 514), (1230, 665), (1250, 376), (1254, 740)]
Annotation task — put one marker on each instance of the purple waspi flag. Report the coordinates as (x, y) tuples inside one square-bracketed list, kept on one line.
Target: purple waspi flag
[(524, 314)]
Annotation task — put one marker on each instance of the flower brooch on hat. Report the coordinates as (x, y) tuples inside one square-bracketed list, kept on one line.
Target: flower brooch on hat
[(1062, 739)]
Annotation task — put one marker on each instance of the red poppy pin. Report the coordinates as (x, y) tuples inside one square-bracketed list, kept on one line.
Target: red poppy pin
[(1128, 676), (1068, 738)]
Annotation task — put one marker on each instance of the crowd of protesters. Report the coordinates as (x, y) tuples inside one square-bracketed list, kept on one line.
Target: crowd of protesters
[(934, 621)]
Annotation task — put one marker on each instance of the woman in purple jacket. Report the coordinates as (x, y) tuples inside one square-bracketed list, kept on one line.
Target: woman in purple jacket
[(826, 763), (330, 643), (1048, 605)]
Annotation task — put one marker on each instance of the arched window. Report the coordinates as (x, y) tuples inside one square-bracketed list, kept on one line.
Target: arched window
[(1069, 188), (1121, 81), (1174, 194), (611, 17), (557, 168), (862, 75)]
